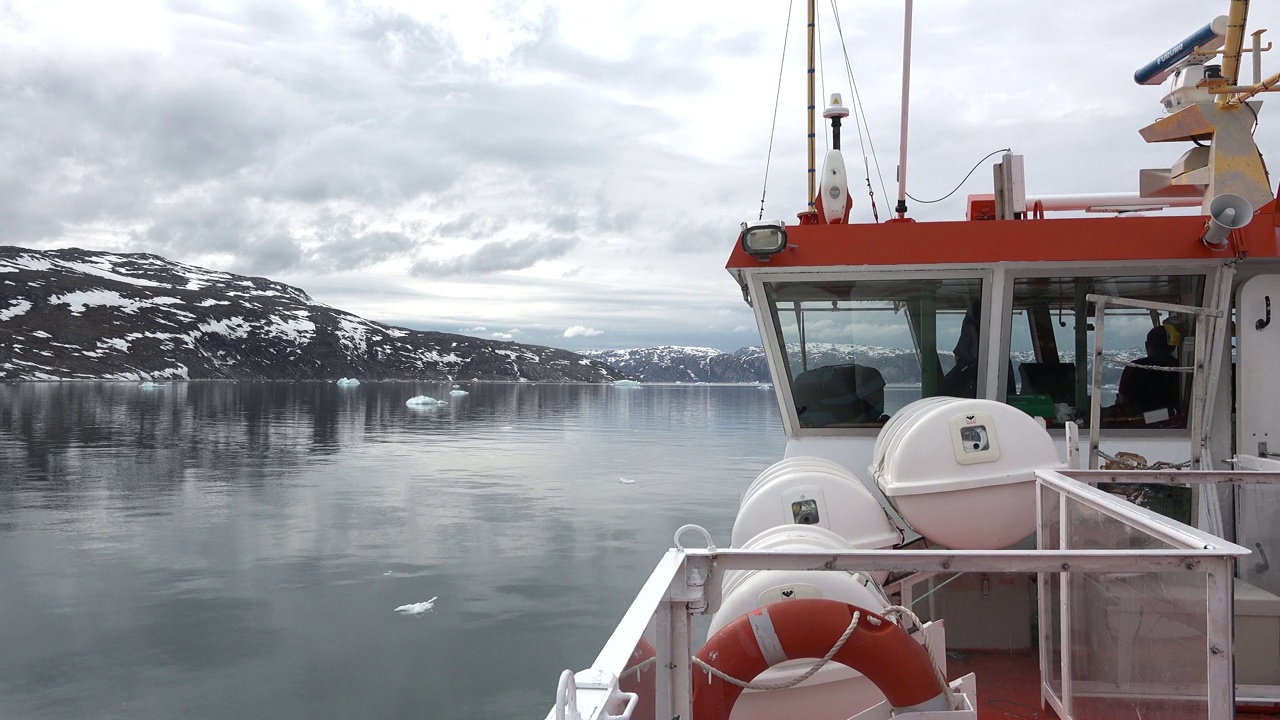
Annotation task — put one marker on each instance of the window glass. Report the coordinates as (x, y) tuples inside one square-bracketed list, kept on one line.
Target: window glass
[(857, 351), (1052, 326)]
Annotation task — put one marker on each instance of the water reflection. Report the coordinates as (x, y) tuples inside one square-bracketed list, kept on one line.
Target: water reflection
[(211, 549)]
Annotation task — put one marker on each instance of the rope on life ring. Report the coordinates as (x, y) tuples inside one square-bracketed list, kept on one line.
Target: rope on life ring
[(812, 628)]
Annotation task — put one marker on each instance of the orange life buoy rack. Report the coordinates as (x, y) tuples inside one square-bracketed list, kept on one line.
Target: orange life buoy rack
[(808, 628)]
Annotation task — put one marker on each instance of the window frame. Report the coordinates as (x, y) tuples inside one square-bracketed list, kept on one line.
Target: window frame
[(771, 335), (1009, 275)]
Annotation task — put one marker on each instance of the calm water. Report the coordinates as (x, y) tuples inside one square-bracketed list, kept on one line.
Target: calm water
[(216, 550)]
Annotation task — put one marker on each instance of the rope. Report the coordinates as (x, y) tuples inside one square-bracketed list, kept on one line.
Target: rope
[(897, 611), (1135, 465), (1160, 368), (640, 667), (853, 625), (776, 99)]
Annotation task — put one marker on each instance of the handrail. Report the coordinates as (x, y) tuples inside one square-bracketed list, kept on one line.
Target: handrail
[(686, 582)]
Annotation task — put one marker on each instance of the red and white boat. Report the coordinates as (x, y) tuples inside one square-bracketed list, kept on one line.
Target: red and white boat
[(1014, 516)]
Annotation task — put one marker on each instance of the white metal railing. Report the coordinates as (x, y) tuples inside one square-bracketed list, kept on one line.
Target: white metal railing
[(649, 652)]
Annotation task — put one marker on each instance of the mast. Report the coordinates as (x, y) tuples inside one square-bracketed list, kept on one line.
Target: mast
[(813, 153), (901, 207)]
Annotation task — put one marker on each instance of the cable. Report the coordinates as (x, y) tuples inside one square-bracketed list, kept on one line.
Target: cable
[(776, 98), (962, 182), (860, 120)]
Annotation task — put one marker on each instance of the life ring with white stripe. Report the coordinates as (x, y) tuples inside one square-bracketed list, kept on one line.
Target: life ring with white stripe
[(808, 628)]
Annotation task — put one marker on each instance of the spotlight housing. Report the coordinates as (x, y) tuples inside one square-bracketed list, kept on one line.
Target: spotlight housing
[(761, 239)]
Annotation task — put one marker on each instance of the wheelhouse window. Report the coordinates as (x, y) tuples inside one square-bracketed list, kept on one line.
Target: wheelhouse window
[(1146, 379), (857, 351)]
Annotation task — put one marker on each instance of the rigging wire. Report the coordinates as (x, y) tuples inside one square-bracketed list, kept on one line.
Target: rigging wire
[(776, 98), (962, 182), (860, 120)]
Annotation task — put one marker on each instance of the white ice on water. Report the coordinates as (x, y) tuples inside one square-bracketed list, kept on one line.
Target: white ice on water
[(347, 382), (148, 385), (458, 393), (424, 401), (625, 481), (626, 383), (418, 608)]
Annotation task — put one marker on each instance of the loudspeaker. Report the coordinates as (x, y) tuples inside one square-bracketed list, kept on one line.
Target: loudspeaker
[(1227, 212)]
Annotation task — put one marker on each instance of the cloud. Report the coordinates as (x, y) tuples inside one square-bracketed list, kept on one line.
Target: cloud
[(497, 256), (471, 224), (580, 331)]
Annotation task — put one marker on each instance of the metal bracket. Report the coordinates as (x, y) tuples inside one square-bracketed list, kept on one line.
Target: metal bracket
[(1267, 320)]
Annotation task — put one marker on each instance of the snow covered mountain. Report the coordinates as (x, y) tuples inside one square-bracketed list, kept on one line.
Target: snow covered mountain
[(83, 314), (669, 363)]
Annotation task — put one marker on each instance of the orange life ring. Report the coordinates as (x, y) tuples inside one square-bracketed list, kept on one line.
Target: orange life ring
[(808, 628), (641, 677)]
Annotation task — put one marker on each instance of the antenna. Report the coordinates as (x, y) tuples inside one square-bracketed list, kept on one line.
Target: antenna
[(1201, 42), (901, 207)]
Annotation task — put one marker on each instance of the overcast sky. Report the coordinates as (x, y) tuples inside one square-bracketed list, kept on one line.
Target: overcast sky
[(558, 172)]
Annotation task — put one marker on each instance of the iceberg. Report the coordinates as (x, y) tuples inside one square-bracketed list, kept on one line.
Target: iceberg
[(348, 382), (424, 401), (418, 608), (148, 385), (458, 393), (625, 481), (626, 383)]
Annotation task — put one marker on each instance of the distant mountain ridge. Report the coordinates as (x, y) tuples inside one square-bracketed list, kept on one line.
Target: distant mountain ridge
[(673, 363), (82, 314)]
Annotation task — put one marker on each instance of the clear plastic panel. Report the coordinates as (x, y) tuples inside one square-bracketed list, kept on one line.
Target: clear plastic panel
[(1090, 529), (1053, 638), (1138, 646), (1050, 525), (1137, 640)]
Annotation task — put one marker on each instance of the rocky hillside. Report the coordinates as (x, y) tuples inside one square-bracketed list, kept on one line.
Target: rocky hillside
[(85, 314)]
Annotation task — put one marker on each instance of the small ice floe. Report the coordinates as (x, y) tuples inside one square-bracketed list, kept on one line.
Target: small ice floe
[(764, 386), (348, 382), (458, 393), (455, 387), (424, 401), (626, 383), (148, 385), (625, 481), (418, 608)]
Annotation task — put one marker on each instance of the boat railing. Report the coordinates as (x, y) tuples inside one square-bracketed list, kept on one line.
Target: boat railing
[(1135, 610)]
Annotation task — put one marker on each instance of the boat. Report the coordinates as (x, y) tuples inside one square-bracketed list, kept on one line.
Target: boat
[(1050, 525)]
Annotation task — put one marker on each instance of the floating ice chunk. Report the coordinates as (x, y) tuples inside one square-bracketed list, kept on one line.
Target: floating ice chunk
[(625, 481), (626, 383), (148, 385), (424, 401), (455, 387), (764, 386), (458, 393), (418, 608), (348, 382)]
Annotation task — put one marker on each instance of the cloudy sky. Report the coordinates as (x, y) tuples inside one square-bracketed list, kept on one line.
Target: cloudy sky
[(559, 172)]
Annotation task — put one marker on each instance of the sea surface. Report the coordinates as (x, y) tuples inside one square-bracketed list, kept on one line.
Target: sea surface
[(237, 550)]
